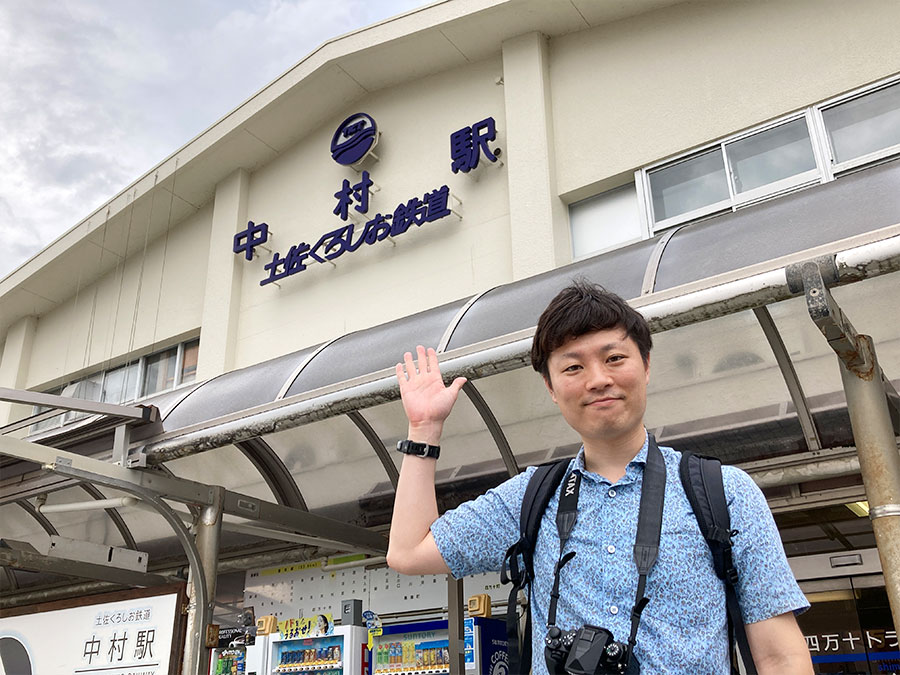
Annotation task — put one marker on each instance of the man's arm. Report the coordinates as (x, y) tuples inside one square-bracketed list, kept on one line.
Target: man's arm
[(778, 646), (427, 403)]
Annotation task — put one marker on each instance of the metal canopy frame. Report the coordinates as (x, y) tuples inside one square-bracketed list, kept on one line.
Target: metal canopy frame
[(749, 289)]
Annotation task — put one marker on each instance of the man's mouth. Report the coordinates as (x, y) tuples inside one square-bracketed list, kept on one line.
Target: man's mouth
[(606, 400)]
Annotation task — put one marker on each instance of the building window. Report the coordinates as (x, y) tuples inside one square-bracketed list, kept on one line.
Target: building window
[(189, 361), (609, 220), (159, 372), (740, 170), (148, 375), (691, 185), (769, 157), (120, 384), (805, 148), (862, 127)]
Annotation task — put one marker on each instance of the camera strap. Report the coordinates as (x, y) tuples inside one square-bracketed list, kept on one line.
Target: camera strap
[(646, 546)]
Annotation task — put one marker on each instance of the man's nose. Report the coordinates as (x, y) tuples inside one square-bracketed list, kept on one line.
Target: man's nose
[(598, 377)]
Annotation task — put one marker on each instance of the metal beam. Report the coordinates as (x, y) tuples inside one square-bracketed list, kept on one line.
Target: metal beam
[(855, 258), (490, 421), (32, 561), (236, 504), (870, 419), (42, 520), (274, 472), (355, 538), (28, 421), (114, 516), (455, 616), (375, 441), (786, 366), (141, 413)]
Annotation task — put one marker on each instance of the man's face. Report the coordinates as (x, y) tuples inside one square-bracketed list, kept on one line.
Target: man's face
[(599, 381)]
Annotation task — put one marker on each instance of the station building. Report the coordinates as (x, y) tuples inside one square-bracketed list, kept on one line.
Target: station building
[(435, 179)]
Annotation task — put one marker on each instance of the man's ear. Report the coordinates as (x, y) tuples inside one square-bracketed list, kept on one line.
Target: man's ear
[(647, 369), (549, 387)]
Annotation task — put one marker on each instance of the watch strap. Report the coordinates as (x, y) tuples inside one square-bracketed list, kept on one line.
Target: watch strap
[(409, 447)]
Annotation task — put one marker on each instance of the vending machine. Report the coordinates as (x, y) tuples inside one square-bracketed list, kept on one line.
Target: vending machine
[(227, 661), (341, 652), (419, 648)]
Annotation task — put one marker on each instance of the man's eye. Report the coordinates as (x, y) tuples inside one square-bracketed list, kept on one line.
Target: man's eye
[(571, 368), (616, 357)]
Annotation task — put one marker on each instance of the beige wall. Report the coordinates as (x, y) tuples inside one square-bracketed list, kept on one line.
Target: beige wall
[(635, 91), (437, 263), (147, 303)]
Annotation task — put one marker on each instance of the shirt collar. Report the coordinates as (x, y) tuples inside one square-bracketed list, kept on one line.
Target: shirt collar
[(640, 460)]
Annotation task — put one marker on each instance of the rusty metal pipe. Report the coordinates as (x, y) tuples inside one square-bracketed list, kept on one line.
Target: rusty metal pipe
[(879, 461)]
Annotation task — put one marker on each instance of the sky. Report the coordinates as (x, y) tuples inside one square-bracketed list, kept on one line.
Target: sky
[(94, 93)]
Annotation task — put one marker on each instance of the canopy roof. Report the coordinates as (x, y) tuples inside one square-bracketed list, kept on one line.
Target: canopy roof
[(310, 430)]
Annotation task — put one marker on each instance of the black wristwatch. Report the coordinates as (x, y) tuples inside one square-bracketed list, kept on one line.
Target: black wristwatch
[(408, 447)]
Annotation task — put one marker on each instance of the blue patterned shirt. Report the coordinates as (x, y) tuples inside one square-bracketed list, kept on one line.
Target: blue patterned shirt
[(684, 627)]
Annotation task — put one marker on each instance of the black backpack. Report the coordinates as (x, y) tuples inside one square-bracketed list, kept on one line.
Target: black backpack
[(701, 478)]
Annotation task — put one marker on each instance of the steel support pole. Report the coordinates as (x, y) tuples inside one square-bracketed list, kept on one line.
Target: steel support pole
[(879, 462), (208, 531), (455, 625)]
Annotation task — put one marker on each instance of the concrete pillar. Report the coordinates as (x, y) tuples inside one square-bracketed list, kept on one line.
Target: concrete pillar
[(221, 302), (539, 221), (14, 363)]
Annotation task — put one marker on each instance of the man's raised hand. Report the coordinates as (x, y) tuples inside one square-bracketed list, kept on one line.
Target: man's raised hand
[(426, 401)]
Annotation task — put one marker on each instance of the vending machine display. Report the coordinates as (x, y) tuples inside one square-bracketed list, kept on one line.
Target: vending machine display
[(342, 652), (229, 661), (424, 648)]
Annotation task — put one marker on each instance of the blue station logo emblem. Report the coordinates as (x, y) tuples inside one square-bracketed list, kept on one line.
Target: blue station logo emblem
[(353, 138)]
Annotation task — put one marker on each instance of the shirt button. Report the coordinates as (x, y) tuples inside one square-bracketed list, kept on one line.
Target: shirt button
[(610, 549), (613, 610), (612, 492)]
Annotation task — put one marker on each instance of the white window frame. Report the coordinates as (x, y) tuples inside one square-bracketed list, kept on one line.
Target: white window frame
[(142, 365), (735, 201), (836, 169)]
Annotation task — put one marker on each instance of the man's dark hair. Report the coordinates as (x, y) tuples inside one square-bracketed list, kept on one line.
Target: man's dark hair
[(581, 308)]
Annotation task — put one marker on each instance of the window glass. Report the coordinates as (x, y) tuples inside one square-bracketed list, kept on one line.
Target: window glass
[(865, 124), (605, 221), (50, 422), (688, 185), (159, 372), (88, 389), (770, 156), (120, 384), (189, 361)]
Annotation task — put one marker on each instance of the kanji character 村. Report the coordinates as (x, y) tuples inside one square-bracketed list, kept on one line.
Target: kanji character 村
[(348, 194)]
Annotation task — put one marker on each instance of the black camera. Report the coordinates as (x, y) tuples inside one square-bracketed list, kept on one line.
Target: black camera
[(589, 650)]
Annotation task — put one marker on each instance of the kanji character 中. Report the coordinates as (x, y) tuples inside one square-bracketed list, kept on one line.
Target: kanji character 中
[(246, 240), (91, 648)]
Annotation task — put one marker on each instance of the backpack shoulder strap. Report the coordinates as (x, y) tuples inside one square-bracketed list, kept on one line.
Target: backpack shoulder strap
[(701, 478), (540, 489)]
